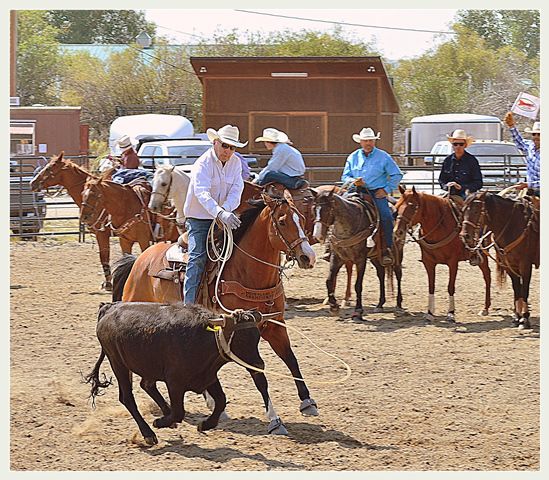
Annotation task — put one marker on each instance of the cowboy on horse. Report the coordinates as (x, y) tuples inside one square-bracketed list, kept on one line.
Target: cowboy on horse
[(373, 173)]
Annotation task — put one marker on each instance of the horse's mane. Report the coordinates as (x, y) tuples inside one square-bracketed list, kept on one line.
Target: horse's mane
[(248, 217), (69, 163)]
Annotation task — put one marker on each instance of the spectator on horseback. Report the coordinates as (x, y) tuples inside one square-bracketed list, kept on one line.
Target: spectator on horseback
[(373, 171), (286, 166), (214, 193), (128, 158), (530, 148), (460, 172)]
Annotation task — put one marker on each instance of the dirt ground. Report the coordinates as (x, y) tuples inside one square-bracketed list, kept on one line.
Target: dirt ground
[(421, 396)]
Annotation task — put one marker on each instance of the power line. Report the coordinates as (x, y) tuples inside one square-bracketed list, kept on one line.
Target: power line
[(159, 59), (345, 23)]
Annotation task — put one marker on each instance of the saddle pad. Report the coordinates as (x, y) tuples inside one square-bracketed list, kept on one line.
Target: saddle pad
[(176, 254)]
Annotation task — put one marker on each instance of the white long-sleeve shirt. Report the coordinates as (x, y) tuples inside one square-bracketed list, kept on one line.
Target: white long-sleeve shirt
[(286, 159), (213, 187)]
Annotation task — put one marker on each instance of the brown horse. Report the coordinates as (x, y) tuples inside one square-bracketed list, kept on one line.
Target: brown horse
[(514, 227), (128, 214), (250, 278), (61, 171), (352, 224), (439, 242)]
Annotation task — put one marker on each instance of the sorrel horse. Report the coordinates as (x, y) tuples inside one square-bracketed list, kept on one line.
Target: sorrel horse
[(61, 171), (250, 278), (353, 223), (439, 242), (128, 215), (514, 228)]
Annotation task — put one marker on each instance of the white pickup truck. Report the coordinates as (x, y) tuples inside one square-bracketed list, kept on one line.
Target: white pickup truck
[(501, 163)]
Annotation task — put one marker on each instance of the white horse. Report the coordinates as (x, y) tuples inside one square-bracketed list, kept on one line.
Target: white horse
[(170, 183)]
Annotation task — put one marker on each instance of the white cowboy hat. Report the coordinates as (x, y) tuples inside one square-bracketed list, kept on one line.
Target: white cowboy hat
[(227, 134), (273, 135), (124, 142), (536, 128), (460, 134), (365, 134)]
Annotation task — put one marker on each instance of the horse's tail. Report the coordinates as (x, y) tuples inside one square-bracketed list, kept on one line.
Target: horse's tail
[(120, 274), (501, 274)]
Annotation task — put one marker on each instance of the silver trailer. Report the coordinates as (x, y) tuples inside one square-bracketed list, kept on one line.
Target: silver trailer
[(427, 130)]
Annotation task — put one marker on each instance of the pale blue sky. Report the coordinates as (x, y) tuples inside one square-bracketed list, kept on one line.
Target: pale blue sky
[(180, 25)]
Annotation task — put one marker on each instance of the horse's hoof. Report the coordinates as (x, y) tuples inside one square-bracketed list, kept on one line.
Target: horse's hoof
[(357, 316), (107, 286), (344, 304), (308, 408), (334, 310), (450, 317), (428, 317), (524, 324), (483, 313), (276, 427), (399, 310), (152, 440), (378, 310), (515, 322)]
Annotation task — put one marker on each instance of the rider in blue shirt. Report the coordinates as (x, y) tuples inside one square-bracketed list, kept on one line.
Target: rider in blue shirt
[(372, 170)]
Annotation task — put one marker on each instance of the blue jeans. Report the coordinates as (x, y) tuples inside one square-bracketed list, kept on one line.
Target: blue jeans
[(198, 235), (286, 180), (385, 217)]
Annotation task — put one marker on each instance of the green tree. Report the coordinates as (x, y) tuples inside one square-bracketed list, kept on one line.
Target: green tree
[(99, 26), (517, 28), (38, 59)]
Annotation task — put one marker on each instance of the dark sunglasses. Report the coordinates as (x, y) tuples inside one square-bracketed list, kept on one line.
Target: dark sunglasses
[(458, 144), (226, 146), (535, 134)]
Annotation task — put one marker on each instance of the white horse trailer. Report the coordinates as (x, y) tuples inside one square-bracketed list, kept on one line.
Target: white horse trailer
[(154, 125), (427, 130)]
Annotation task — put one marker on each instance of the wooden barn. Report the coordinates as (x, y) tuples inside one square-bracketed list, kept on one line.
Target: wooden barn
[(318, 101)]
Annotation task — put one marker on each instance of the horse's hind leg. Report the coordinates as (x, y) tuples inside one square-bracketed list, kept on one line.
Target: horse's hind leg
[(349, 269), (277, 337), (485, 268), (360, 269), (125, 395), (103, 241), (517, 293), (430, 268), (380, 271), (451, 315), (150, 387), (526, 275), (216, 392), (398, 274)]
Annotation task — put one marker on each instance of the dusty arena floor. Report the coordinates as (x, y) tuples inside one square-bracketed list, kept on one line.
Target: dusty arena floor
[(421, 396)]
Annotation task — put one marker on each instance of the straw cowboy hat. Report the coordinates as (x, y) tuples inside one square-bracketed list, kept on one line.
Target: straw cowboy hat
[(365, 134), (460, 135), (227, 134), (536, 128), (273, 135), (124, 142)]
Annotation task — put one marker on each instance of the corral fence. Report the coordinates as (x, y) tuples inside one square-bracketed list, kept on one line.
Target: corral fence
[(52, 214)]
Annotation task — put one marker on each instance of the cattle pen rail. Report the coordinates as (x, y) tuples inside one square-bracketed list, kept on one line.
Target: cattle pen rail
[(62, 216)]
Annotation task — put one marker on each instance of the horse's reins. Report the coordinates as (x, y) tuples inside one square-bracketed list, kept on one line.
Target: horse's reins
[(503, 252)]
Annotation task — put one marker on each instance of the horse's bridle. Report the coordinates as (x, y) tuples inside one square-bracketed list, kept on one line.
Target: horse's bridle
[(298, 241), (476, 226), (164, 195)]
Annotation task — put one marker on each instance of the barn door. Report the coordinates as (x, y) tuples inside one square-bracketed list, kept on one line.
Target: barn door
[(307, 130)]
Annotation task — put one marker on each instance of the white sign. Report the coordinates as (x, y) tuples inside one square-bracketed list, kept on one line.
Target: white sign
[(42, 148), (526, 105)]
